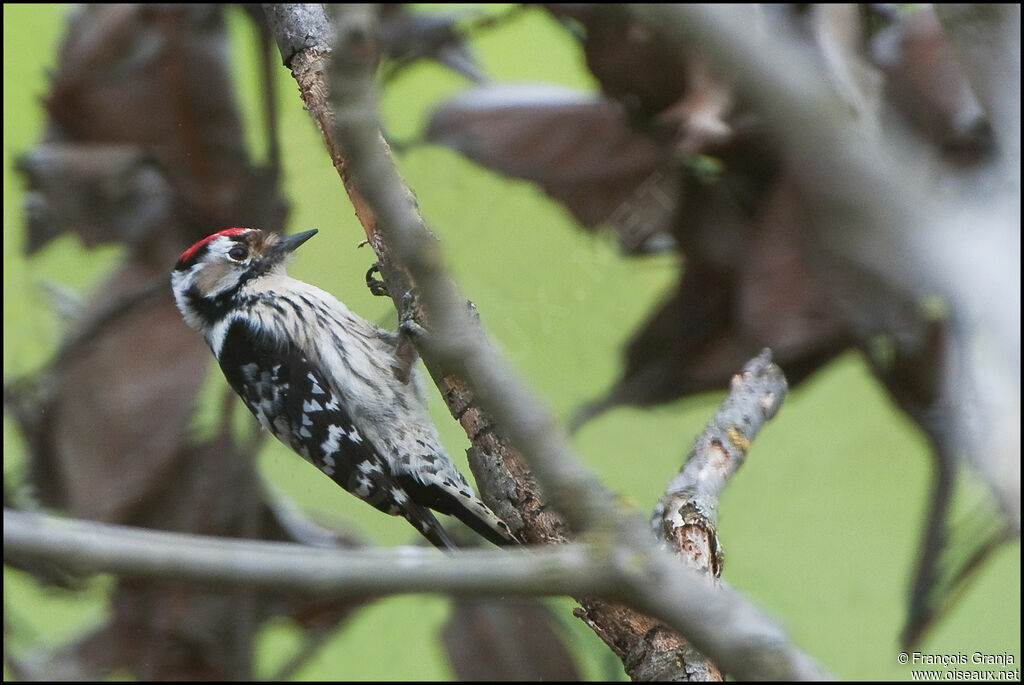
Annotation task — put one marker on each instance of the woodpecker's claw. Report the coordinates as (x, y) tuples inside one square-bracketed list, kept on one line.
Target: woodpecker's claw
[(376, 285), (407, 323)]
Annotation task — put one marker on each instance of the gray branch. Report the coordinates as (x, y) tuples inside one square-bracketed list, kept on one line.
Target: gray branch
[(887, 205), (691, 498), (685, 518), (722, 624), (660, 586), (92, 547), (299, 27), (751, 646)]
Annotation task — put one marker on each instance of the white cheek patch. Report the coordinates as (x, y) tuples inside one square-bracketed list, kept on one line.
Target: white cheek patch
[(228, 280), (212, 277), (178, 287)]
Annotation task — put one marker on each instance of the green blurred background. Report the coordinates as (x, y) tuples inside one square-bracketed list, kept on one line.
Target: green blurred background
[(820, 527)]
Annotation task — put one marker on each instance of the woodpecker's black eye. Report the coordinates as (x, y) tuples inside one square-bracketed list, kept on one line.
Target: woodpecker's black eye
[(238, 253)]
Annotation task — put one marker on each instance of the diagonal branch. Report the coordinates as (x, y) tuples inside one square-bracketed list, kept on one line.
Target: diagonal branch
[(887, 204), (720, 623), (305, 38), (685, 518), (689, 506)]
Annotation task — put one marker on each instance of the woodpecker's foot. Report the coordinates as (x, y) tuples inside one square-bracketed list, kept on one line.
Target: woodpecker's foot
[(409, 331), (407, 324), (376, 285)]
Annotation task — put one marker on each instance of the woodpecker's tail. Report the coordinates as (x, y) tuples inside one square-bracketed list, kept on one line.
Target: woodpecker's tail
[(427, 524), (461, 503), (480, 518)]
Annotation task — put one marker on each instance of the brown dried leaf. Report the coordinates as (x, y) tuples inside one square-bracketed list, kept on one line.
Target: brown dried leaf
[(580, 149), (409, 35), (634, 65), (154, 78), (926, 83), (121, 408), (100, 192), (753, 287)]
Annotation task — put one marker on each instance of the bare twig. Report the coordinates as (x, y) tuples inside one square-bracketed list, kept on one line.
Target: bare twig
[(686, 515), (431, 43), (270, 118), (312, 641)]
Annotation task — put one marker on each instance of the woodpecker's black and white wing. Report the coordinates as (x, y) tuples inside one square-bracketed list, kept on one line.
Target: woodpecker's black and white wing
[(291, 398), (389, 412)]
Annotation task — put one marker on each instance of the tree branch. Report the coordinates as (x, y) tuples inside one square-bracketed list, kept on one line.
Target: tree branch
[(658, 584), (305, 37), (92, 547), (720, 623), (686, 515)]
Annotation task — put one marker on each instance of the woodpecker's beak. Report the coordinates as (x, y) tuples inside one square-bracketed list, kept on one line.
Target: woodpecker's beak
[(288, 244)]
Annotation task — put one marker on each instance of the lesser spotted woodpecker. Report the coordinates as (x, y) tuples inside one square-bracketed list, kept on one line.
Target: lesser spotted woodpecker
[(324, 381)]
